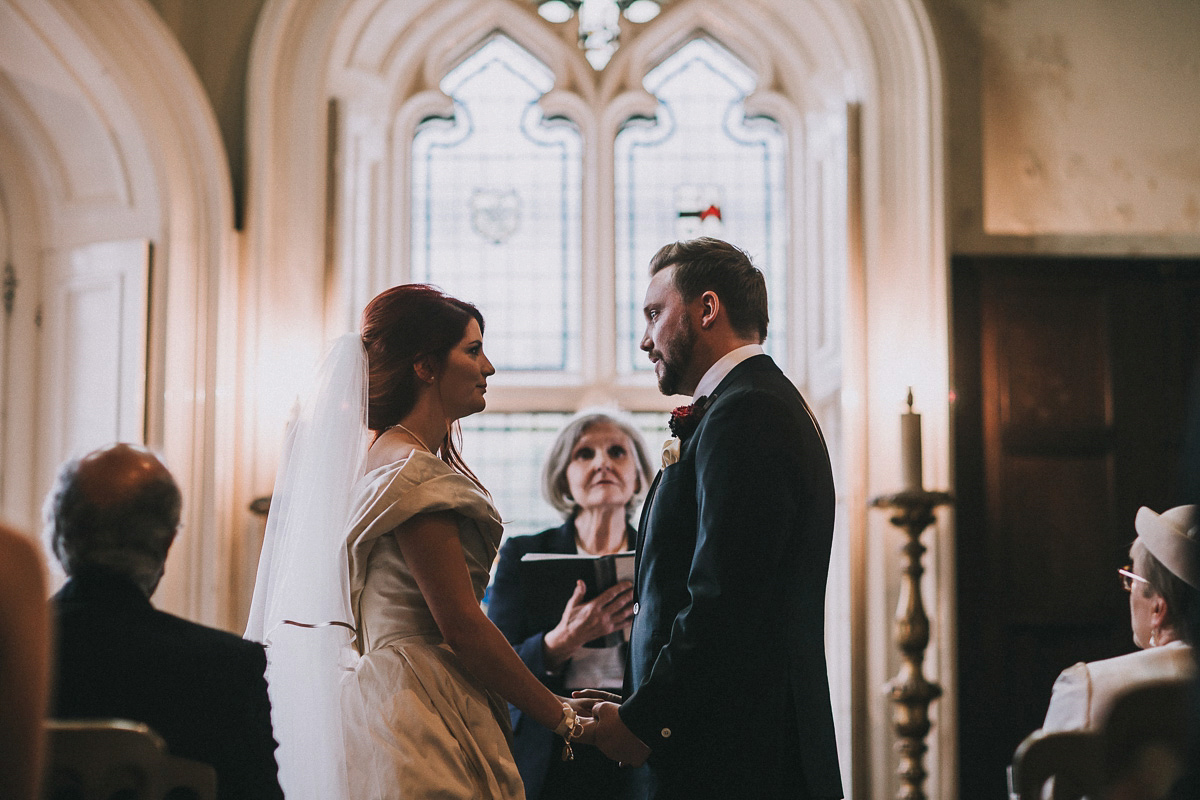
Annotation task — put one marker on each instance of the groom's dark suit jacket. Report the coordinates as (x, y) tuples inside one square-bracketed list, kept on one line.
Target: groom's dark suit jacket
[(201, 689), (727, 663)]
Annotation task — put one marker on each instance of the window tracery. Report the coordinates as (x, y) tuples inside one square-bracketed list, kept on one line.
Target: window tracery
[(496, 215)]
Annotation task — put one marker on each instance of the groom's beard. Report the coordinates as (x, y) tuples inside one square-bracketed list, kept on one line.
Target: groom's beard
[(675, 358)]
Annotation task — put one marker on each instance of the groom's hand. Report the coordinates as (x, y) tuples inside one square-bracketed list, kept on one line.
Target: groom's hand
[(583, 700), (614, 739)]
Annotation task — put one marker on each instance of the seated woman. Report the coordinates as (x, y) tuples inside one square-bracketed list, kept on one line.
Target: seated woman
[(1160, 584), (593, 475)]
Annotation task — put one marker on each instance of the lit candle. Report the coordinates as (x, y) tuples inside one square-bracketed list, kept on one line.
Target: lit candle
[(910, 446)]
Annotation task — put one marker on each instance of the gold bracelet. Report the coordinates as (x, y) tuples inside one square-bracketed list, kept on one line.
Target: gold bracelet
[(569, 728), (567, 722)]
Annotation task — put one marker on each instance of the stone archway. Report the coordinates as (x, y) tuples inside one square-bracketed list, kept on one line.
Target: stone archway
[(117, 142), (879, 57)]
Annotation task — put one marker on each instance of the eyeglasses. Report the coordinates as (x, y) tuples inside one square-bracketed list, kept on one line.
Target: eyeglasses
[(1127, 578)]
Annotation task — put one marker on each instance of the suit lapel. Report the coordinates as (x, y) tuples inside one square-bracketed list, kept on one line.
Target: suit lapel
[(641, 531), (754, 362)]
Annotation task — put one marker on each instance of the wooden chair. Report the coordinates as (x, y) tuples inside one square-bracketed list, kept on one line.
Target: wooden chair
[(1071, 758), (1144, 739), (119, 760), (1137, 752)]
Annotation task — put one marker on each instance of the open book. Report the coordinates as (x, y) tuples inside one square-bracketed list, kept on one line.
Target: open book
[(553, 576)]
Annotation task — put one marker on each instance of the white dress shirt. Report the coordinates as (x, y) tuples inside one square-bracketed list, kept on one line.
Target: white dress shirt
[(723, 366)]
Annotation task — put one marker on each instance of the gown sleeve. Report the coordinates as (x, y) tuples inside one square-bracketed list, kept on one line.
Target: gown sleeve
[(386, 498)]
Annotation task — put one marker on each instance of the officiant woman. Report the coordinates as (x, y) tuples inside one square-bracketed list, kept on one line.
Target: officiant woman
[(594, 475)]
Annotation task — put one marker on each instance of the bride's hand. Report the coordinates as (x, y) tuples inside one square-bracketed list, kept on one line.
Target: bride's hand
[(589, 731), (583, 701), (583, 712)]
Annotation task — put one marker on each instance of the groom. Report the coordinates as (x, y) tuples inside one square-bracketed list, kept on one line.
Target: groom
[(730, 695)]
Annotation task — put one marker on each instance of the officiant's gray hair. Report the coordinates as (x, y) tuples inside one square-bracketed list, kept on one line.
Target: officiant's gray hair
[(554, 470)]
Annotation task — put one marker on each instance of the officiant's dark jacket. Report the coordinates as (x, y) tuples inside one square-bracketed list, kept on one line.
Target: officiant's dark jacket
[(524, 615), (201, 689), (727, 661)]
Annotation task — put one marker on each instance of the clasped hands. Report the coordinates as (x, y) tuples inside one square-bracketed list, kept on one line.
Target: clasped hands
[(584, 620), (603, 728)]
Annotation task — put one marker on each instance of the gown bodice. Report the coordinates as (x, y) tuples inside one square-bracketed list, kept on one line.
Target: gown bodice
[(392, 607), (387, 602), (416, 722)]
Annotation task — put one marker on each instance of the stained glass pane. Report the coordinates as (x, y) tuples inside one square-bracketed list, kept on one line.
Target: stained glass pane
[(700, 168), (506, 452), (496, 218)]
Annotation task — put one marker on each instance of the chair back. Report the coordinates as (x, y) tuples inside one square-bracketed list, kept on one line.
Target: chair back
[(1144, 740), (1070, 758), (119, 760), (1138, 751)]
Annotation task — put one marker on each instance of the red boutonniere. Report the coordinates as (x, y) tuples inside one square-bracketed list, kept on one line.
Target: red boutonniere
[(685, 419)]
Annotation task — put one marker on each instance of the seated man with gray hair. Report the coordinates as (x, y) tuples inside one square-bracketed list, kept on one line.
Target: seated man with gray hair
[(110, 518)]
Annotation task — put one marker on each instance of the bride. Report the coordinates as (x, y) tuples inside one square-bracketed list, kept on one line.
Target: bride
[(378, 526)]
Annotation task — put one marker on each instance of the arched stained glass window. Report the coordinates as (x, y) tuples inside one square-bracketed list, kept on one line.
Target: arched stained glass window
[(496, 215), (701, 168), (487, 200), (497, 219)]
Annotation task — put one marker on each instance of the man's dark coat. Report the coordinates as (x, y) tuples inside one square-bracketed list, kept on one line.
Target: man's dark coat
[(201, 689), (727, 659)]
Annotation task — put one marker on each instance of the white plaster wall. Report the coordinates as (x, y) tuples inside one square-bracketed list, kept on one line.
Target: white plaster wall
[(1091, 114), (21, 237), (101, 114)]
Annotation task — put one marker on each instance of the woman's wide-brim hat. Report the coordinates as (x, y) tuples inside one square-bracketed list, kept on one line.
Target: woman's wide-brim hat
[(1171, 538)]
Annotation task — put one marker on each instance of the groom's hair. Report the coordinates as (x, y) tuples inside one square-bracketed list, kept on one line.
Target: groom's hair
[(707, 264)]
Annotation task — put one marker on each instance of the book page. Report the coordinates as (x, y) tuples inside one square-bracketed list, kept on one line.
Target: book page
[(621, 558)]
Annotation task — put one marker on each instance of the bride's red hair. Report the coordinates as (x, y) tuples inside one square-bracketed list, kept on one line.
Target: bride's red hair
[(401, 327)]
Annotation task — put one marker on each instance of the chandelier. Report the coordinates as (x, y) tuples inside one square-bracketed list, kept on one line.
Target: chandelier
[(599, 22)]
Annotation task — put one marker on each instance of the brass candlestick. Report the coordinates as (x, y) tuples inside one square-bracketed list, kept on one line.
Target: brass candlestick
[(909, 691)]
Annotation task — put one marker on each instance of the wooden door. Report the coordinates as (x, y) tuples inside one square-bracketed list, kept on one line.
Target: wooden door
[(95, 324), (1071, 381)]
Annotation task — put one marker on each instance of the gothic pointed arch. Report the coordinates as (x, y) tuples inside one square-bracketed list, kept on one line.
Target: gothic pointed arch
[(857, 87), (126, 148)]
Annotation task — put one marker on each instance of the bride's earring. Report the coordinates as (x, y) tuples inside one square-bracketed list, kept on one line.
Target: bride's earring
[(1153, 637)]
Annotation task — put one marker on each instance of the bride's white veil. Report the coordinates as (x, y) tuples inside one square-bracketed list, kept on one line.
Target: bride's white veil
[(303, 575)]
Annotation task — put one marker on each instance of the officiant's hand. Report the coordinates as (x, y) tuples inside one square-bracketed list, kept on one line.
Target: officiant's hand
[(607, 731), (581, 622)]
